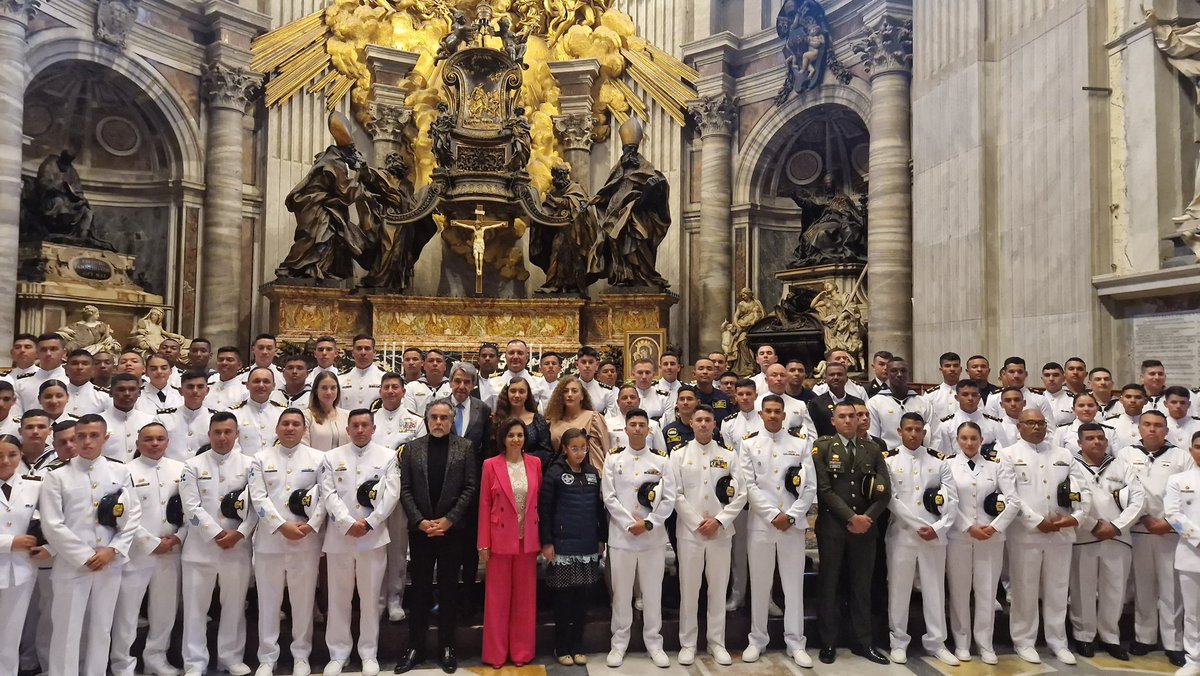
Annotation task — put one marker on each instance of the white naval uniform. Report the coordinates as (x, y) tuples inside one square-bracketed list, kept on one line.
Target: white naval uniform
[(356, 563), (18, 573), (617, 437), (281, 564), (1032, 400), (316, 371), (393, 428), (941, 403), (123, 428), (1179, 432), (222, 394), (547, 392), (68, 503), (1182, 509), (360, 387), (1125, 428), (28, 386), (672, 390), (1157, 610), (207, 478), (603, 397), (637, 557), (912, 472), (35, 640), (764, 460), (85, 398), (945, 439), (696, 468), (300, 400), (760, 383), (418, 395), (974, 565), (149, 575), (1062, 404), (886, 410), (1100, 569), (1037, 561), (187, 430), (1008, 434), (653, 401), (1067, 435), (150, 403), (489, 388), (852, 388), (796, 412), (256, 424), (737, 426)]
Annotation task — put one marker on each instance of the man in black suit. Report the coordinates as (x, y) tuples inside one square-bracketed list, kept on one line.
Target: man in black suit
[(820, 409), (471, 420), (439, 481)]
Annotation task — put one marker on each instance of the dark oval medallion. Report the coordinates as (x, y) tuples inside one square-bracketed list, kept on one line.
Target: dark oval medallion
[(92, 268)]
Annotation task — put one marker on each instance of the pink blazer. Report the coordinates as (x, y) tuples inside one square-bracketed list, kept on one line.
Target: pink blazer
[(498, 508)]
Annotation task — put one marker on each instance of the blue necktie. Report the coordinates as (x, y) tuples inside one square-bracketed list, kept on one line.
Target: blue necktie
[(458, 419)]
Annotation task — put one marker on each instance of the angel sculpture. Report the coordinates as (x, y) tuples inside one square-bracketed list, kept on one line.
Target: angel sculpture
[(461, 33), (802, 28)]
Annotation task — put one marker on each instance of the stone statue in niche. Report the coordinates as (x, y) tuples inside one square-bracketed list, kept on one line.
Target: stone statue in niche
[(561, 251), (734, 333), (90, 333), (1181, 46), (634, 212), (54, 207), (807, 53), (148, 333), (521, 146), (835, 229)]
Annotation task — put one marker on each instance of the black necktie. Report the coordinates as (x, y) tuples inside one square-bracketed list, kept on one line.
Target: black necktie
[(162, 396), (7, 490), (971, 464)]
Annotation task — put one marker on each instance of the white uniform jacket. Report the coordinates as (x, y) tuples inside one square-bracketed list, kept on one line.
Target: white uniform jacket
[(393, 428), (418, 395), (1033, 474), (223, 394), (123, 428), (912, 472), (1153, 471), (154, 483), (360, 387), (256, 424), (16, 511), (697, 468), (1182, 505), (85, 398), (618, 439), (68, 504), (765, 458), (945, 439), (187, 430), (207, 478), (974, 485), (625, 471), (1067, 435), (1104, 482), (275, 474), (150, 403), (886, 410), (344, 469)]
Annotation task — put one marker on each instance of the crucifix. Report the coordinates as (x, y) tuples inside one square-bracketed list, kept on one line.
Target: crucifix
[(478, 227)]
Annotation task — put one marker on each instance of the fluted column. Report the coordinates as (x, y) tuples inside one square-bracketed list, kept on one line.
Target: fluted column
[(887, 55), (574, 132), (227, 92), (14, 18), (715, 115)]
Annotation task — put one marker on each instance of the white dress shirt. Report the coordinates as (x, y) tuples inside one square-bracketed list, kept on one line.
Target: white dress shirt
[(123, 428), (68, 505)]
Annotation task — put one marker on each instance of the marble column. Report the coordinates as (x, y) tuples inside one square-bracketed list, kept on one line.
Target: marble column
[(390, 114), (573, 125), (387, 131), (227, 91), (715, 116), (14, 19), (886, 50), (574, 131)]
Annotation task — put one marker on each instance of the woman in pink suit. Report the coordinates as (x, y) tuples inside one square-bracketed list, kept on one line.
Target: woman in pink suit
[(508, 546)]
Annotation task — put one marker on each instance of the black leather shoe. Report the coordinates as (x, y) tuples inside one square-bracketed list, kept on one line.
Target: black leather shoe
[(828, 654), (1085, 648), (1176, 658), (1116, 651), (411, 660), (448, 662), (1136, 648), (870, 654)]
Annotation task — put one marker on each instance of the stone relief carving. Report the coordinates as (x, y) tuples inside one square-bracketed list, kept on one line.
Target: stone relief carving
[(807, 48), (887, 45), (714, 114), (114, 20)]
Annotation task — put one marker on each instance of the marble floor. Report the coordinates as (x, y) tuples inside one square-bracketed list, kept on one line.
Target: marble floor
[(776, 664)]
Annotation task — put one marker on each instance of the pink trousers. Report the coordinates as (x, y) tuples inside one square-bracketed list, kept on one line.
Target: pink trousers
[(510, 609)]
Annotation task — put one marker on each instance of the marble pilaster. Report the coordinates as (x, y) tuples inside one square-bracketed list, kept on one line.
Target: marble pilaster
[(573, 125), (715, 116), (227, 90), (14, 19), (886, 50), (390, 114)]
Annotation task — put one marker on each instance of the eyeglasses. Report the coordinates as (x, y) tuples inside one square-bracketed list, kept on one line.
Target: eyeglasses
[(1033, 423)]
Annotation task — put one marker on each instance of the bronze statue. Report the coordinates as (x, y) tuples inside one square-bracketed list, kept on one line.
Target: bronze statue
[(56, 209), (327, 240), (400, 244), (560, 251), (514, 43), (439, 134), (461, 33), (835, 230), (522, 141), (634, 214), (807, 48)]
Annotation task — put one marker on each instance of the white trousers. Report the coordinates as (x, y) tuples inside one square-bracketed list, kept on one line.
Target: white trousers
[(907, 562), (162, 583), (740, 572), (232, 577), (1100, 573), (973, 566), (297, 573), (1157, 611), (1189, 583), (700, 561), (788, 549), (647, 568), (347, 572), (35, 641), (14, 603), (1039, 568), (397, 557), (85, 600)]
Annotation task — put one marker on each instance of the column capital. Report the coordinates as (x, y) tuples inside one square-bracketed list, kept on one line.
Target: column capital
[(574, 131), (21, 11), (714, 114), (226, 87), (887, 45), (388, 122)]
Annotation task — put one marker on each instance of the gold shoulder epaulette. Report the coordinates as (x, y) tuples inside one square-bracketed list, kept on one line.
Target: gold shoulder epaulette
[(238, 405), (614, 451), (275, 403), (947, 418), (992, 417), (749, 435), (936, 454), (166, 411), (27, 374)]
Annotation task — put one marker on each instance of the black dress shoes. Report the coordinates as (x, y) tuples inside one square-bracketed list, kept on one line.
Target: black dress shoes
[(1176, 658), (870, 654), (828, 654), (411, 660), (1136, 648), (1085, 648), (1116, 651), (448, 662)]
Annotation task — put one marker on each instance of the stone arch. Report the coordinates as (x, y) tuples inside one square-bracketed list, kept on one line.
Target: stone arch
[(772, 133), (53, 46)]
